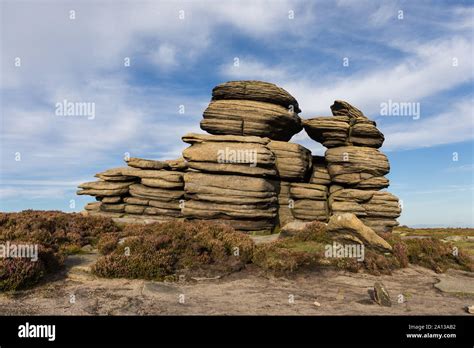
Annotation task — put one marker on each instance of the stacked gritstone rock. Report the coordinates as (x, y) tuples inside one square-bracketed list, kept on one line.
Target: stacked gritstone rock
[(355, 166), (245, 172), (145, 190), (252, 108), (242, 173)]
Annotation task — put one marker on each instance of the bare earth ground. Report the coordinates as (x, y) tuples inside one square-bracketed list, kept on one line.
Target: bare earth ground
[(249, 292)]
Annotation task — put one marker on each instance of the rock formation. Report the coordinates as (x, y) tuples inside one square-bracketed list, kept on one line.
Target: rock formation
[(247, 174), (145, 190), (355, 166)]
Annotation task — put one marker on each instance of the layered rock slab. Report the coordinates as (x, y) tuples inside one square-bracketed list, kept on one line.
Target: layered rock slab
[(248, 117), (249, 201), (357, 166), (247, 155), (309, 202), (347, 126), (257, 91), (377, 209)]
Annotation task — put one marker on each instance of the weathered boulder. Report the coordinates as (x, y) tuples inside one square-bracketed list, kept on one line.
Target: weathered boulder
[(310, 210), (343, 108), (357, 166), (114, 174), (146, 210), (292, 161), (142, 191), (257, 91), (229, 188), (293, 228), (381, 295), (348, 227), (230, 154), (309, 202), (175, 204), (103, 193), (161, 183), (146, 163), (284, 203), (308, 191), (112, 199), (177, 164), (328, 130), (231, 197), (247, 117), (347, 126), (168, 175), (93, 206), (247, 155), (105, 185), (104, 188), (365, 133), (114, 208), (193, 138), (377, 209), (319, 171)]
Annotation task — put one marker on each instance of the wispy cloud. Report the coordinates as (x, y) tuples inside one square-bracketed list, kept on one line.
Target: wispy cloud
[(249, 68), (451, 126)]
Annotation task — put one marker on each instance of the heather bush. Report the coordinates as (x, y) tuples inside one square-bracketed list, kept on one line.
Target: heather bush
[(437, 255), (54, 228), (107, 243), (161, 250), (306, 249), (165, 250), (19, 273), (56, 234), (283, 256), (303, 249)]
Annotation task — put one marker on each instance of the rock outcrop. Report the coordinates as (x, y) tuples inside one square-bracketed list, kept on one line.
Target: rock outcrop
[(355, 166), (147, 189), (347, 227), (247, 174), (347, 126), (247, 203), (252, 108)]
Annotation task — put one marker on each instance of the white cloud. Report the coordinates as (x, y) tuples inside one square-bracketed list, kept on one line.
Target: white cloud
[(428, 71), (19, 192), (247, 68), (383, 14), (452, 126), (164, 57)]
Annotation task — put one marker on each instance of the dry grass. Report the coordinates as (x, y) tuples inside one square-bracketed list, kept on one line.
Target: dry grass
[(307, 250), (439, 256), (463, 238)]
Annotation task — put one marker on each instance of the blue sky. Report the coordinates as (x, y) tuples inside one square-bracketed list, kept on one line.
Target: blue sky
[(422, 55)]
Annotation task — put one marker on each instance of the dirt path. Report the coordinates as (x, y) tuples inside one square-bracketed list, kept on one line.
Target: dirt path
[(77, 292)]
